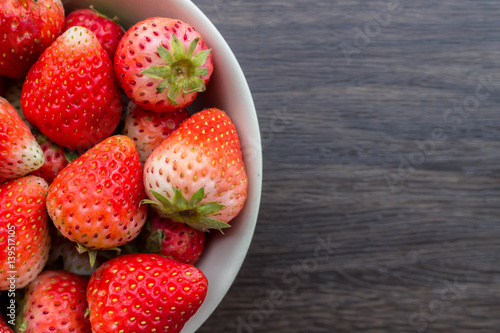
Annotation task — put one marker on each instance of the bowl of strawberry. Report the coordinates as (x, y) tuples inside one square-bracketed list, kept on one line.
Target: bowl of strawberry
[(130, 166)]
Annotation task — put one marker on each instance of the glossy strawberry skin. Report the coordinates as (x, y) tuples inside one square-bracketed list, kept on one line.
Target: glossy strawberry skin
[(54, 158), (107, 31), (149, 129), (204, 152), (20, 154), (95, 200), (157, 293), (27, 28), (181, 242), (56, 302), (138, 50), (70, 94), (24, 217)]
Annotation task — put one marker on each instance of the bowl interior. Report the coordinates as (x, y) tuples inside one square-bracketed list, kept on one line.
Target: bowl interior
[(227, 90)]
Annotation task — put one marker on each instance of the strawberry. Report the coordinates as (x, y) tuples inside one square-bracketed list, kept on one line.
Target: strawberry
[(70, 93), (4, 328), (55, 158), (107, 30), (201, 160), (174, 240), (162, 64), (56, 302), (144, 293), (149, 129), (24, 232), (20, 154), (27, 28), (64, 253), (95, 200)]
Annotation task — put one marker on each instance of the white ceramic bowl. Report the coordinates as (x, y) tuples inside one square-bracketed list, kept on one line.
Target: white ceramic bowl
[(227, 90)]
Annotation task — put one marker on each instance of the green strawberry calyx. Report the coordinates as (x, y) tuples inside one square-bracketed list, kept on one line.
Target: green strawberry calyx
[(98, 13), (191, 212), (182, 72), (154, 241), (93, 253)]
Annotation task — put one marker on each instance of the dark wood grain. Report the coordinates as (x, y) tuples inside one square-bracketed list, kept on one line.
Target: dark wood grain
[(381, 200)]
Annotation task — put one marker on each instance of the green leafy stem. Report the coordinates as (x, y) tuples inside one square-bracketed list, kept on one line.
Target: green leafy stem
[(191, 212)]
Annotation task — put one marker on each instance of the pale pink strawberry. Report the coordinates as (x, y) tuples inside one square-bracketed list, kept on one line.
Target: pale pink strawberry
[(64, 254), (162, 64), (202, 161), (149, 129), (20, 154)]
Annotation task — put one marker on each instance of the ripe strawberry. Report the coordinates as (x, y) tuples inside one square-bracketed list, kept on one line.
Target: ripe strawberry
[(95, 200), (107, 31), (70, 93), (24, 232), (4, 328), (20, 154), (55, 158), (202, 160), (174, 240), (149, 129), (56, 302), (162, 64), (27, 28), (144, 293)]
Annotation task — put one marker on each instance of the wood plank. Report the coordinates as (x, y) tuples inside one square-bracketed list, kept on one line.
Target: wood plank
[(417, 253)]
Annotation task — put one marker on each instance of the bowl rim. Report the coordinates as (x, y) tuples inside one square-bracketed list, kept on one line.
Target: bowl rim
[(209, 31), (255, 187), (251, 150)]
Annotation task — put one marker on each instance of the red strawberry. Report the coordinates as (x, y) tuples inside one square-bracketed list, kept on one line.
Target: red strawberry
[(201, 160), (174, 240), (27, 27), (56, 302), (162, 64), (149, 129), (24, 232), (107, 31), (4, 328), (70, 93), (55, 158), (20, 154), (95, 200), (144, 293)]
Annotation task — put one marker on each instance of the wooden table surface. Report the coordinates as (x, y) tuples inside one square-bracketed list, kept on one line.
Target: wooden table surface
[(380, 123)]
